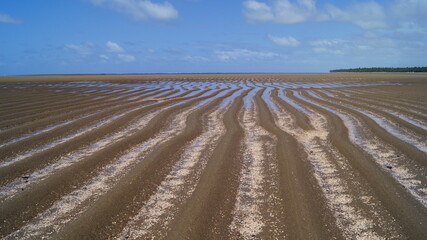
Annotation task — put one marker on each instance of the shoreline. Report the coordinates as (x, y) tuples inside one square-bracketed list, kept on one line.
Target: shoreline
[(293, 77)]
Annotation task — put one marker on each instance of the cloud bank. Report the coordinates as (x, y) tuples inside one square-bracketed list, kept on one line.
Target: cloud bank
[(140, 10), (111, 52), (284, 41), (114, 47), (81, 49), (244, 54), (366, 15)]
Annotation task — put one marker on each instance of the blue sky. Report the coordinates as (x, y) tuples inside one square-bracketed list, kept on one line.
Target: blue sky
[(156, 36)]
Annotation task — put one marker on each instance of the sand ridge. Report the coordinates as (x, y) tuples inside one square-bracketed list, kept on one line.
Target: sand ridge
[(214, 156)]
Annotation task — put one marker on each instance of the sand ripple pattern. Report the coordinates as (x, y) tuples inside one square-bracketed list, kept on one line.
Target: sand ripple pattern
[(205, 156)]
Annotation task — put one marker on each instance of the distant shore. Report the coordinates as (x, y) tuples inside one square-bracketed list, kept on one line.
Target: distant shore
[(292, 77), (377, 69)]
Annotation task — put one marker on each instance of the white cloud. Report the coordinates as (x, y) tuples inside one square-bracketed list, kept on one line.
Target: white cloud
[(4, 18), (113, 53), (244, 54), (284, 41), (114, 47), (326, 42), (410, 19), (410, 9), (257, 11), (367, 43), (104, 57), (333, 46), (366, 15), (126, 57), (83, 50), (195, 59), (327, 50), (282, 11), (289, 12), (140, 9)]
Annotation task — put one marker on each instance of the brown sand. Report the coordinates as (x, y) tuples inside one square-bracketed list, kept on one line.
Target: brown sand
[(214, 156)]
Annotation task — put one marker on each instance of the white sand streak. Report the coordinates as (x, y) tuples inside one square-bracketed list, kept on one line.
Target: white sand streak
[(404, 170), (11, 188), (64, 139), (401, 104), (157, 93), (65, 161), (180, 183), (247, 218), (353, 222), (24, 155), (73, 204), (393, 128), (292, 103), (405, 117), (47, 129), (410, 119), (355, 95)]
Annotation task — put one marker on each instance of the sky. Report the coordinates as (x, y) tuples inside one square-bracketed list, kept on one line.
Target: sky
[(193, 36)]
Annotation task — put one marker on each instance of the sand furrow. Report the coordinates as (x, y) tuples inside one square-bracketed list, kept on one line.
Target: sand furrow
[(297, 183), (299, 115), (331, 171), (65, 179), (400, 103), (404, 170), (154, 218), (213, 156), (405, 113), (52, 103), (35, 177), (397, 201), (30, 122), (134, 181), (413, 138), (36, 113), (64, 139), (94, 140), (106, 118), (394, 123), (257, 209), (209, 208), (71, 205), (47, 129), (44, 99)]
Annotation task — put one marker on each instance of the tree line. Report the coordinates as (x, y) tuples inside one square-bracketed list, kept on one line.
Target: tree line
[(382, 69)]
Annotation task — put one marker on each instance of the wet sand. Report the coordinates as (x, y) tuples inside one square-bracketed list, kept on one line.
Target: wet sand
[(214, 156)]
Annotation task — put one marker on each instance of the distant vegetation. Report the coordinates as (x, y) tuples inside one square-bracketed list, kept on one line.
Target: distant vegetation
[(407, 69)]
